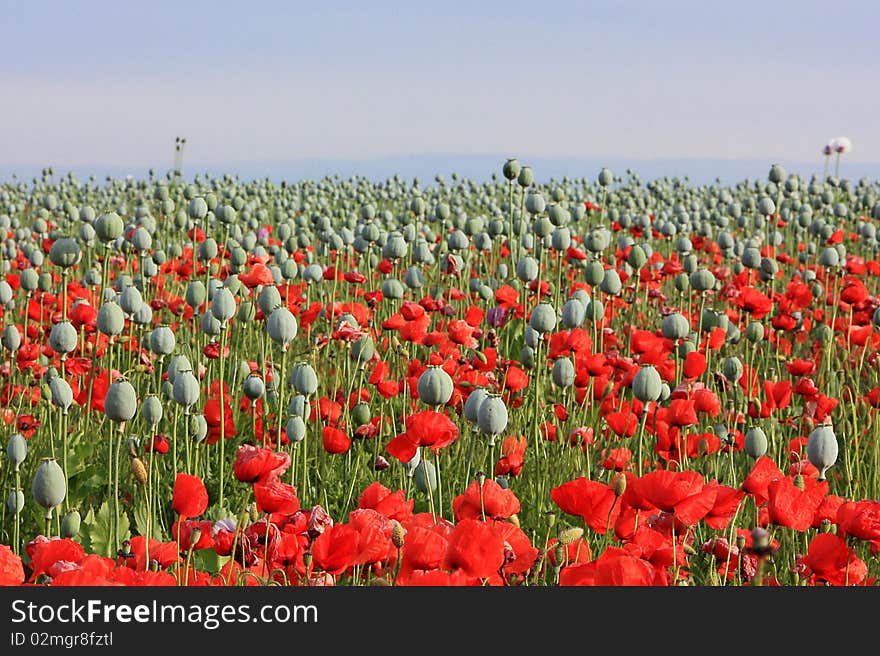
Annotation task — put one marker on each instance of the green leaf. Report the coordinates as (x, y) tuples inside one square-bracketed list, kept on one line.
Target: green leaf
[(100, 532), (141, 523), (209, 560)]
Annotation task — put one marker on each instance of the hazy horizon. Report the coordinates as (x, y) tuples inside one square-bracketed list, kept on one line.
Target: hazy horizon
[(112, 84)]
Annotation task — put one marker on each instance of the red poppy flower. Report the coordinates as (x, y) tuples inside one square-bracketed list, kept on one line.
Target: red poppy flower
[(426, 428), (190, 496), (493, 501), (615, 567), (11, 569), (159, 444), (593, 501), (694, 364), (334, 440), (27, 425), (678, 492), (393, 505), (254, 464), (259, 274), (830, 559), (45, 552), (212, 417), (512, 457), (792, 507), (757, 483), (860, 519), (475, 548), (336, 548), (273, 496)]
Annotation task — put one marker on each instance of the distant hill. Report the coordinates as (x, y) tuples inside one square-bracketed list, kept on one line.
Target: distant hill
[(478, 167)]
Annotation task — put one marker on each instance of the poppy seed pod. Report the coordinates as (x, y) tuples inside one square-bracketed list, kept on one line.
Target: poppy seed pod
[(674, 326), (363, 349), (305, 379), (141, 239), (223, 305), (435, 386), (637, 258), (111, 319), (646, 385), (611, 283), (511, 169), (131, 300), (269, 299), (527, 269), (526, 177), (29, 279), (299, 406), (756, 442), (63, 337), (253, 387), (62, 394), (543, 318), (197, 208), (473, 402), (574, 313), (162, 340), (109, 227), (360, 414), (120, 402), (595, 310), (425, 477), (563, 373), (198, 427), (822, 449), (605, 177), (65, 253), (49, 486), (702, 280), (5, 293), (186, 389), (151, 410), (176, 365), (594, 273), (196, 293), (16, 449), (732, 369), (70, 524), (392, 288), (535, 203), (282, 326), (15, 501), (11, 338), (247, 312), (492, 416), (210, 324), (295, 429)]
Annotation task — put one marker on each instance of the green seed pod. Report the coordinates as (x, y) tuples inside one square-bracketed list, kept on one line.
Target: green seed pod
[(646, 385), (574, 313), (392, 288), (702, 280), (674, 326), (49, 486), (473, 402), (29, 280), (295, 429), (527, 269), (198, 427), (611, 283), (141, 240), (563, 373), (11, 338), (223, 305), (360, 414), (684, 348), (282, 327), (637, 257), (151, 410), (269, 299), (595, 310), (246, 312), (732, 369), (305, 379), (109, 227), (543, 318), (197, 208), (299, 406), (435, 386), (822, 449), (196, 293), (594, 273), (511, 169), (63, 337), (253, 387), (162, 340), (492, 415), (756, 442), (755, 332), (526, 177), (15, 501), (363, 349), (120, 402), (186, 389), (62, 394), (70, 524), (425, 477), (207, 250), (605, 177), (44, 281), (16, 449), (65, 253), (111, 319), (535, 203)]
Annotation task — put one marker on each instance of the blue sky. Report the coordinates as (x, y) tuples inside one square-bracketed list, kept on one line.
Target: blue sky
[(114, 82)]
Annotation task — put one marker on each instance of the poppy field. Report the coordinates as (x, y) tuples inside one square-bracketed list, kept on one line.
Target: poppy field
[(582, 381)]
